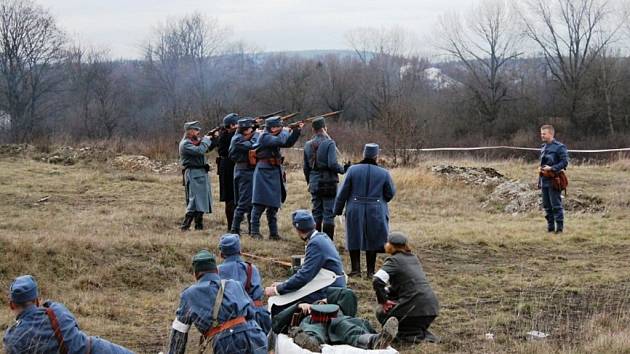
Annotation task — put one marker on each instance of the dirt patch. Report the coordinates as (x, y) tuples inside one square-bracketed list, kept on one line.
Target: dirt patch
[(513, 196)]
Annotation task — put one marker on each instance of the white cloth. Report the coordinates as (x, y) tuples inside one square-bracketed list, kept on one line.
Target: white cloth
[(323, 279), (180, 327), (285, 345)]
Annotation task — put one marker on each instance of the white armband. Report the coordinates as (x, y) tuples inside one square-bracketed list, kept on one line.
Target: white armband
[(382, 275), (180, 327)]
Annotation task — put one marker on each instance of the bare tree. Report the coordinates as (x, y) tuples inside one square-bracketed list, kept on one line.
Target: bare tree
[(484, 43), (30, 45), (571, 34), (179, 58)]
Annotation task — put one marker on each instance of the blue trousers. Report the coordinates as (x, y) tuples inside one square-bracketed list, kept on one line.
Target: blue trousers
[(552, 203), (323, 210), (272, 219)]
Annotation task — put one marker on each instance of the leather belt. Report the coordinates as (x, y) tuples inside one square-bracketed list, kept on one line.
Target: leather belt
[(225, 326)]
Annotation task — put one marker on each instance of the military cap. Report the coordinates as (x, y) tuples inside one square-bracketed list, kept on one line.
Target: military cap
[(204, 261), (397, 238), (303, 220), (23, 289), (324, 312), (230, 119), (244, 123), (230, 244), (192, 125), (274, 121), (370, 151), (319, 123)]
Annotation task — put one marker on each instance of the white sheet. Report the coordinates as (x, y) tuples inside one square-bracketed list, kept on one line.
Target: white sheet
[(285, 345)]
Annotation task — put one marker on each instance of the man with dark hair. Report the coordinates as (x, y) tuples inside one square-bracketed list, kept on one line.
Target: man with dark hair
[(233, 267), (364, 193), (322, 268), (49, 328), (554, 158), (269, 191), (242, 142), (225, 166), (403, 291), (221, 311), (192, 156), (321, 171)]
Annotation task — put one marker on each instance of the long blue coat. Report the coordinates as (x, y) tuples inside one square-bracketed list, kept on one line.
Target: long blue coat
[(320, 253), (32, 333), (243, 171), (555, 155), (364, 193), (193, 158), (196, 306), (269, 188), (233, 267)]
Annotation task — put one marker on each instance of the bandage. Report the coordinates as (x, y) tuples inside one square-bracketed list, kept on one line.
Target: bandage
[(180, 327)]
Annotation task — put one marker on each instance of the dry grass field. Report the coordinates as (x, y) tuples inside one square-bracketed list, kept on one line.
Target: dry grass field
[(106, 243)]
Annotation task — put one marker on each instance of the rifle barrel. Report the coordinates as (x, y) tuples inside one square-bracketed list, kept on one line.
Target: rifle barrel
[(271, 260)]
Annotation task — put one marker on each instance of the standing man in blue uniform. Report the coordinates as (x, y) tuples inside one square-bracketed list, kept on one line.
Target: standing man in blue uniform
[(321, 171), (221, 311), (364, 193), (233, 267), (322, 268), (554, 158), (225, 166), (192, 156), (47, 329), (269, 191), (240, 147)]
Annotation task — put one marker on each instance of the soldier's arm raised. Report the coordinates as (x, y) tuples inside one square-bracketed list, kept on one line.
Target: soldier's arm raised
[(192, 149)]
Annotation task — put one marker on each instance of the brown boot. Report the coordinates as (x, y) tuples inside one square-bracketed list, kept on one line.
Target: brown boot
[(387, 335)]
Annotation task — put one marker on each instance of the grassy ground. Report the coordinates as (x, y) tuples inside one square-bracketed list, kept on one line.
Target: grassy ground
[(106, 244)]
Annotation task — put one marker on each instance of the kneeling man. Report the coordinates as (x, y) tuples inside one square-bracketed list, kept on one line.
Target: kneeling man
[(321, 269)]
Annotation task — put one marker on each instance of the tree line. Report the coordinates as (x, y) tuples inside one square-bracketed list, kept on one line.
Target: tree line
[(502, 70)]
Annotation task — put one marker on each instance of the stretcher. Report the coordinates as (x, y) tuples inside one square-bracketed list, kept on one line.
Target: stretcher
[(285, 345)]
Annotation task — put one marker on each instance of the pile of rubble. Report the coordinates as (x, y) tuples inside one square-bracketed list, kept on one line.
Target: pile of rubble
[(477, 176), (142, 163), (67, 155), (513, 196)]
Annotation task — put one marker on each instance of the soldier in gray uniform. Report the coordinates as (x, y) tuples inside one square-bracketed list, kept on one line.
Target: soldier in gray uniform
[(192, 156), (403, 291), (321, 171)]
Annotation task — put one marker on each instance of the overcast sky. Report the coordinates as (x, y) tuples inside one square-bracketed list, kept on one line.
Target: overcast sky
[(270, 25)]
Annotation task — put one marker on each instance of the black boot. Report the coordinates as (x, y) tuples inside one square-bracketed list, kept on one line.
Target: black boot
[(559, 226), (188, 219), (550, 225), (329, 229), (355, 263), (370, 260), (229, 213), (318, 226), (199, 220)]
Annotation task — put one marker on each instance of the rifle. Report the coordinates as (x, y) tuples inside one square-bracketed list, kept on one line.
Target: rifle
[(306, 120), (270, 260), (220, 127), (283, 118)]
